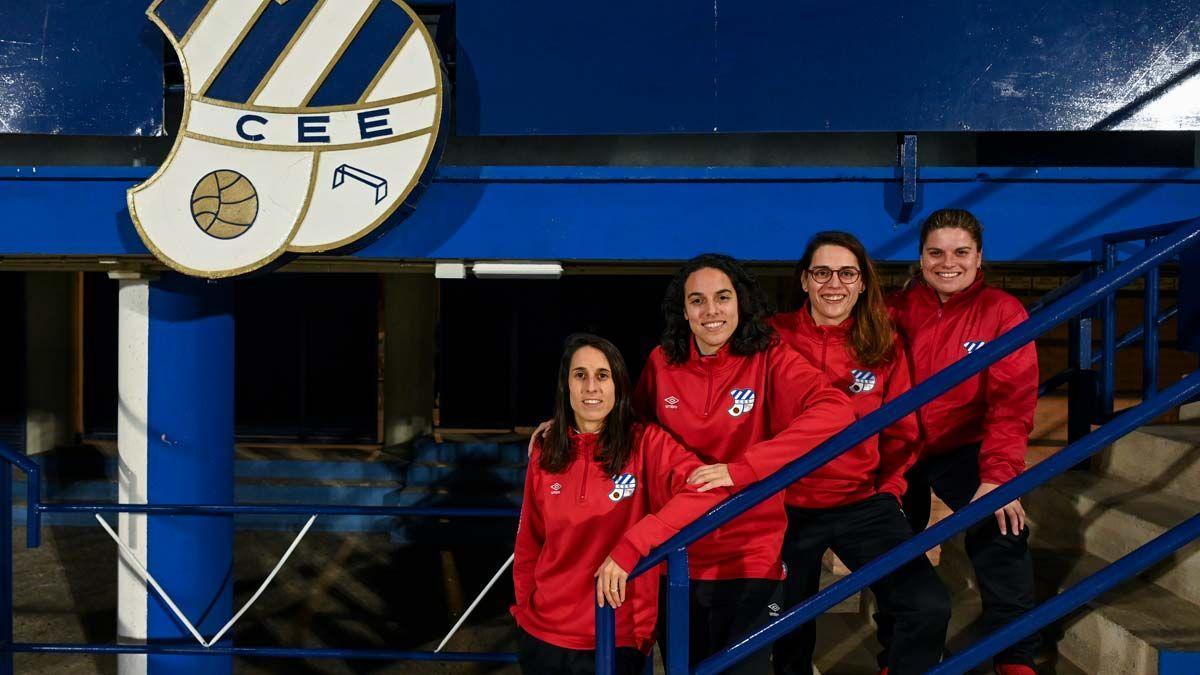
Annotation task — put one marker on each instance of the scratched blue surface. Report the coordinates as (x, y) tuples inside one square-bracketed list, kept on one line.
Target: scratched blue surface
[(699, 66), (74, 67), (641, 214), (689, 66)]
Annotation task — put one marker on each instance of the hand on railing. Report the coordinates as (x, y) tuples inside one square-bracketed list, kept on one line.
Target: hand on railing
[(712, 476), (1011, 513), (610, 583)]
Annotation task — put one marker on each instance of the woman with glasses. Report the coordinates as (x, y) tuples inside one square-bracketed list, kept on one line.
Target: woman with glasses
[(601, 490), (852, 504), (974, 436)]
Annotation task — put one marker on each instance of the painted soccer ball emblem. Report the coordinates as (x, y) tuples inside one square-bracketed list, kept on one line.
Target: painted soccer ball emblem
[(224, 204), (293, 139)]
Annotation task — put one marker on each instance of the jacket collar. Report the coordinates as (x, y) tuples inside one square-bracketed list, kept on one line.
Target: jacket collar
[(719, 361), (583, 443), (803, 323)]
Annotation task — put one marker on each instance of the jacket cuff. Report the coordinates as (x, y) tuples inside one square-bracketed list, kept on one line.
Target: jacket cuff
[(626, 555), (741, 474), (997, 473), (893, 488)]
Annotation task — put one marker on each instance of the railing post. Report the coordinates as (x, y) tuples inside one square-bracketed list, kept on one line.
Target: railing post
[(1108, 339), (1082, 391), (678, 614), (6, 572), (1150, 332), (606, 640)]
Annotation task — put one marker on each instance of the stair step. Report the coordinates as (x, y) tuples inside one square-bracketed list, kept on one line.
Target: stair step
[(1138, 628), (1165, 457), (1128, 630), (1110, 517)]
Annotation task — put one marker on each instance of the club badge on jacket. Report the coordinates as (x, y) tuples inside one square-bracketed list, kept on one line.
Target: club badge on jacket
[(623, 486), (743, 402)]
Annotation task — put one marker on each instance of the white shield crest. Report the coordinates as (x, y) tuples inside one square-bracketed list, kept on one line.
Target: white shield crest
[(306, 124)]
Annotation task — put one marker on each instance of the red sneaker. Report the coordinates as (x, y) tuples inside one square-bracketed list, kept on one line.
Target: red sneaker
[(884, 671), (1014, 669)]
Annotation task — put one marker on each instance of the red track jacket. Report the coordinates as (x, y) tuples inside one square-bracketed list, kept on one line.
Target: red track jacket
[(994, 407), (571, 521), (879, 463), (755, 413)]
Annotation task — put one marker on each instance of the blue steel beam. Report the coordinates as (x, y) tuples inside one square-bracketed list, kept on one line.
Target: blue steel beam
[(638, 213)]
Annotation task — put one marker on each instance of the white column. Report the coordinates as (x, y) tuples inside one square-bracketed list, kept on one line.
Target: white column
[(133, 362)]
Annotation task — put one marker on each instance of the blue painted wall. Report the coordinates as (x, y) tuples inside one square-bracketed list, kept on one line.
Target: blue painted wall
[(702, 66), (75, 67), (695, 66)]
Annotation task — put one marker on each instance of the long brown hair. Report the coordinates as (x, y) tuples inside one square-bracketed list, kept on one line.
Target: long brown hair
[(872, 338), (616, 438)]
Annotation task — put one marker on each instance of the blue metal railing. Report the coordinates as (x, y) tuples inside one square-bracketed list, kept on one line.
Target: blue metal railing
[(35, 508), (1132, 337), (1163, 243)]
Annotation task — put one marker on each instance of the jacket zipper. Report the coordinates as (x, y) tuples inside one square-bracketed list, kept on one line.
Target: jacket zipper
[(708, 397), (587, 462)]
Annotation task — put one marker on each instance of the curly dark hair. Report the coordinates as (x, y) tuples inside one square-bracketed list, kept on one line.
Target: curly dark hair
[(616, 438), (753, 333)]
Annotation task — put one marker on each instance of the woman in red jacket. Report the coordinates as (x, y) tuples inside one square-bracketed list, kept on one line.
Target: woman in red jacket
[(725, 387), (975, 435), (852, 504), (587, 513)]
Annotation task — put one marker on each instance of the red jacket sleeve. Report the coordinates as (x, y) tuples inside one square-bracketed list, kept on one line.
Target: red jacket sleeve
[(899, 443), (1010, 389), (805, 411), (531, 533), (668, 465)]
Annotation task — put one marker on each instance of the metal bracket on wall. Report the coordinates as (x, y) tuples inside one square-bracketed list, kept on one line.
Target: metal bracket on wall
[(908, 176)]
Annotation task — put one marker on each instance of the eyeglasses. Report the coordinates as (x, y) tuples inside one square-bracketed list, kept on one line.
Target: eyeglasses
[(822, 275)]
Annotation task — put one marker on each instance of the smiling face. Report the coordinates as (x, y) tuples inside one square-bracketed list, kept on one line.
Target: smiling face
[(832, 302), (593, 393), (711, 305), (950, 261)]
